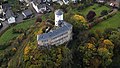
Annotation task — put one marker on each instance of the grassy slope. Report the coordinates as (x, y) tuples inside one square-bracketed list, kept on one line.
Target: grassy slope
[(113, 22), (97, 9), (8, 34)]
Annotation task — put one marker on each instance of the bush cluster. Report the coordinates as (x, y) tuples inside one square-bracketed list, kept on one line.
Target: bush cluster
[(21, 30)]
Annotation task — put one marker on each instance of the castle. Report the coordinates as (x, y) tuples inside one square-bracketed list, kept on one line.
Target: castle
[(58, 36)]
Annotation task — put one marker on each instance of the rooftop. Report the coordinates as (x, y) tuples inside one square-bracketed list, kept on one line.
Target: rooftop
[(66, 26), (58, 12), (27, 12), (41, 6), (6, 6), (9, 13)]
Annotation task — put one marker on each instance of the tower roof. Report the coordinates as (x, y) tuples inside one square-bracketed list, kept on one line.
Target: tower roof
[(58, 12)]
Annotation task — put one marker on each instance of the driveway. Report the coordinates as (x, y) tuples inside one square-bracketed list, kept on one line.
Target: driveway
[(19, 18), (5, 25)]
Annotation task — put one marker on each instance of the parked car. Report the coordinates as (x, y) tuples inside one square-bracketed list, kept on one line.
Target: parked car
[(1, 25)]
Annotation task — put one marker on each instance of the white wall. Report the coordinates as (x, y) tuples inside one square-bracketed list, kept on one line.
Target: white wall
[(11, 20), (57, 19)]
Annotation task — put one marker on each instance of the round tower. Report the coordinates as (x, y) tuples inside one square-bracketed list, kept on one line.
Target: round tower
[(58, 16)]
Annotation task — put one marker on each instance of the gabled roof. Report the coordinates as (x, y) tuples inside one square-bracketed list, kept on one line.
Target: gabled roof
[(66, 26), (6, 6), (27, 12), (66, 1), (48, 0), (37, 2), (41, 6), (58, 12), (9, 13)]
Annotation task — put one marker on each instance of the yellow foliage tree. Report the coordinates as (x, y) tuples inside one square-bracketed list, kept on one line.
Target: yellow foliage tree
[(79, 18), (26, 50), (14, 49), (90, 46), (104, 52), (107, 42)]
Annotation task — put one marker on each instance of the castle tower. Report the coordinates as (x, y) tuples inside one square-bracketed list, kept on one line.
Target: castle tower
[(58, 16)]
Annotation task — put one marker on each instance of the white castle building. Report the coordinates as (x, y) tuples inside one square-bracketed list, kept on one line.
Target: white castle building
[(59, 36)]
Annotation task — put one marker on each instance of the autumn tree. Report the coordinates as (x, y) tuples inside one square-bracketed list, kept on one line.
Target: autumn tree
[(39, 19), (98, 52), (79, 18)]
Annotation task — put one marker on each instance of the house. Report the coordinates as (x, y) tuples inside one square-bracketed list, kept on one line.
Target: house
[(101, 1), (39, 8), (114, 3), (56, 36), (60, 2), (27, 1), (49, 1), (21, 0), (5, 7), (10, 16), (65, 1), (55, 0), (42, 8), (27, 13), (117, 3), (74, 1)]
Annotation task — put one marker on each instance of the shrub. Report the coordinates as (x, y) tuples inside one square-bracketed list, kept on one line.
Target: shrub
[(90, 15), (99, 5), (104, 12), (81, 8), (119, 9), (93, 8), (98, 20), (39, 19), (79, 18), (20, 30), (4, 46)]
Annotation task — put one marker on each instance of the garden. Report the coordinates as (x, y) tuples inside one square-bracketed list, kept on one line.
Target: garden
[(113, 22), (8, 35), (97, 8)]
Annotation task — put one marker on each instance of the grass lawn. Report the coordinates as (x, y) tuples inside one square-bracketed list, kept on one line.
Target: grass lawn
[(98, 9), (113, 22), (9, 35)]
